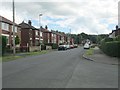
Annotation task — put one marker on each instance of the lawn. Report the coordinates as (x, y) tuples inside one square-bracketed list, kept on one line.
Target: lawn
[(90, 51), (11, 57)]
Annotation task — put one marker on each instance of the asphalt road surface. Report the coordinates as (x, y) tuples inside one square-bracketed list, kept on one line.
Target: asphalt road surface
[(59, 69)]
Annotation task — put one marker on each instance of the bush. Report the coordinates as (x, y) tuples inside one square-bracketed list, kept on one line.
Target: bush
[(108, 39), (117, 38), (17, 40), (43, 47), (111, 48), (3, 44), (54, 46)]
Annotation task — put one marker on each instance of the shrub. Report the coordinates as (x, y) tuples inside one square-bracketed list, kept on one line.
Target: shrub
[(43, 47), (108, 39), (117, 38), (3, 44), (54, 46), (17, 40), (111, 48)]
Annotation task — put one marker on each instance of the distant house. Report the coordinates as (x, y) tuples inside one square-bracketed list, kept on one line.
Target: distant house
[(115, 33), (46, 36), (30, 36), (112, 35), (6, 29), (54, 37)]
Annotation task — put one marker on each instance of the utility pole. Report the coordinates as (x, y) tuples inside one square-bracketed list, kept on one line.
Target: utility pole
[(14, 29)]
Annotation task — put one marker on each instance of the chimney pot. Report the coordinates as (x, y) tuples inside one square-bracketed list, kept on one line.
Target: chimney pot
[(29, 22)]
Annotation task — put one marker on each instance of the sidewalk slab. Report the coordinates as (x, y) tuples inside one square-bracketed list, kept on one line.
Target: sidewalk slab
[(100, 57)]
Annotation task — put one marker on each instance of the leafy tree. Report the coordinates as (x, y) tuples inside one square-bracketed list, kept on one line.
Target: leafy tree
[(93, 38), (84, 36)]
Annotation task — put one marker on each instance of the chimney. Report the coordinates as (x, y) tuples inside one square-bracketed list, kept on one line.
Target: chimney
[(46, 27), (116, 27), (29, 22)]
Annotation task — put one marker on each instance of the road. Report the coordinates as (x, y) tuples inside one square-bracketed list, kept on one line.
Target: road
[(59, 69)]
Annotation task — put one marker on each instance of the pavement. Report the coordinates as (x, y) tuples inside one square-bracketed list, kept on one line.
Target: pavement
[(99, 57)]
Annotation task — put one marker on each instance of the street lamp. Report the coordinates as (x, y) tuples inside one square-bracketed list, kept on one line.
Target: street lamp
[(40, 15)]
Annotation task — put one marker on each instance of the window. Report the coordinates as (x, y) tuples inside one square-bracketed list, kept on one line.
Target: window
[(52, 35), (5, 26), (36, 32), (40, 34), (15, 29)]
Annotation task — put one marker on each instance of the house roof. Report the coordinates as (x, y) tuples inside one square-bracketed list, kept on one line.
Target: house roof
[(5, 20), (25, 25), (45, 30)]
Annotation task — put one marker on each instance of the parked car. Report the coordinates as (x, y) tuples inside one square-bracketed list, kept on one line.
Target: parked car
[(71, 46), (68, 46), (75, 45), (86, 46), (62, 47)]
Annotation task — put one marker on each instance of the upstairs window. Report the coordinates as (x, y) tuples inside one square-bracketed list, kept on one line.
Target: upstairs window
[(5, 26), (36, 32), (16, 28)]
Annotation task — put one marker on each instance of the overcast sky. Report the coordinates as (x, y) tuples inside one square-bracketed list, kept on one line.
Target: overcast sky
[(89, 16)]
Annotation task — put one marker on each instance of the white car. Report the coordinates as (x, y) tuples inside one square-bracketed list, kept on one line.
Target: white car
[(62, 47), (68, 46), (86, 46)]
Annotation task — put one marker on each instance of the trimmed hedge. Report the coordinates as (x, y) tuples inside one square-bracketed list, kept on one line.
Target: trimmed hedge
[(54, 45), (111, 48), (117, 38)]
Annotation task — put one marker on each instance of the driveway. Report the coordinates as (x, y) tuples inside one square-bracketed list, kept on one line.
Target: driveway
[(59, 69)]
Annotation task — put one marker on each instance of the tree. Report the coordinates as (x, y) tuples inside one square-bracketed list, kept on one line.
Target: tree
[(93, 38), (84, 36), (17, 40)]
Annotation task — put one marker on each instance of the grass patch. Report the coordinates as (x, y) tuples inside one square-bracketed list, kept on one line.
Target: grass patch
[(37, 53), (89, 52), (22, 55), (10, 58)]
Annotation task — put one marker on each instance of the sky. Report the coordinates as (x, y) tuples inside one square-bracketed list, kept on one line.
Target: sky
[(69, 16)]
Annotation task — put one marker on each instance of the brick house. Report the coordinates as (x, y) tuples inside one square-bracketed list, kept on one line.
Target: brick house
[(6, 29), (46, 36), (30, 36)]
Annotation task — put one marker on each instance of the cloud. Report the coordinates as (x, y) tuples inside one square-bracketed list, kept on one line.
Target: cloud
[(91, 17)]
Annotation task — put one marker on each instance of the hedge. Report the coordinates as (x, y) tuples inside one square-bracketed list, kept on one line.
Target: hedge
[(3, 44), (54, 45), (111, 48)]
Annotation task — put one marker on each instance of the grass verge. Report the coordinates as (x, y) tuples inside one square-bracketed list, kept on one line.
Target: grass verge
[(22, 55), (89, 52)]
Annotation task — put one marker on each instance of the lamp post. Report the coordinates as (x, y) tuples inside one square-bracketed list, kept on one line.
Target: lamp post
[(40, 15)]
